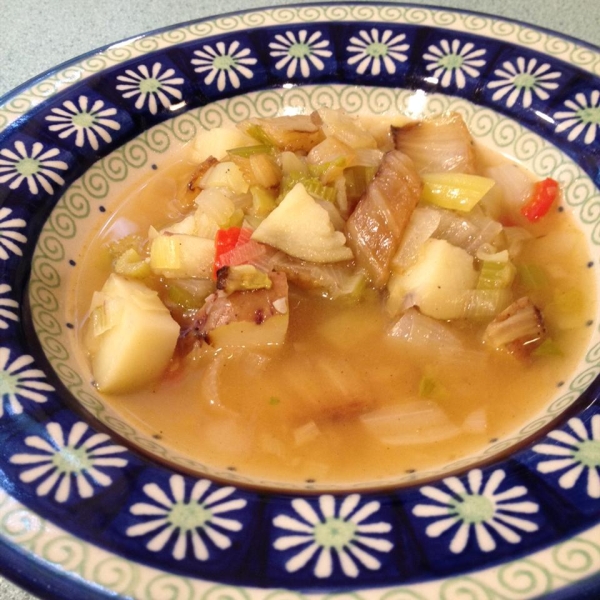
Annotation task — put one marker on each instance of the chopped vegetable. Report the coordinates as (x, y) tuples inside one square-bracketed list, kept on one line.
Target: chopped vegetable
[(497, 272), (136, 339), (519, 329), (303, 229), (542, 198), (131, 264), (376, 226), (263, 201), (181, 255), (437, 145), (440, 275), (242, 277), (225, 241), (218, 141), (225, 175), (245, 319), (456, 191)]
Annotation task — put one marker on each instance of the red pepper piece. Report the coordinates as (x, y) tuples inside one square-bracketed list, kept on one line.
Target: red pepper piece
[(225, 241), (543, 196)]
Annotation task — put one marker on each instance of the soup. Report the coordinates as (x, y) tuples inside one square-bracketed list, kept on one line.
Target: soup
[(370, 371)]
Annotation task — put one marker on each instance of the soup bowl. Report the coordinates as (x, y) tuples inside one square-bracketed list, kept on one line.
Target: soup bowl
[(112, 509)]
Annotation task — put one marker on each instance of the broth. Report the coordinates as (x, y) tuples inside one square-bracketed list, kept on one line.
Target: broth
[(283, 413)]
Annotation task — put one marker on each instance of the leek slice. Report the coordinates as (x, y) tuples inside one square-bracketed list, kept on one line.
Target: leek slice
[(496, 275), (456, 191), (532, 276), (248, 151), (131, 264), (263, 201)]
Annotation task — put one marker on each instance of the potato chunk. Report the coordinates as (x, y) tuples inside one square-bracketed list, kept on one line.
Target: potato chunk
[(132, 336), (441, 273), (303, 229)]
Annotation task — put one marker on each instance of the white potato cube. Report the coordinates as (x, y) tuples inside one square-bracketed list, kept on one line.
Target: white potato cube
[(181, 255), (225, 175), (442, 272), (138, 343), (216, 142), (303, 229)]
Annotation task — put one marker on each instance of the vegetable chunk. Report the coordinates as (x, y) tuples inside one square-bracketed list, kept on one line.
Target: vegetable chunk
[(133, 336), (441, 273), (376, 227), (303, 229)]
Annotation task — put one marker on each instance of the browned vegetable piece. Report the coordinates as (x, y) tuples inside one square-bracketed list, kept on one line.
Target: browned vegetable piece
[(375, 228), (243, 318), (258, 169), (200, 172), (440, 144), (297, 133), (519, 329)]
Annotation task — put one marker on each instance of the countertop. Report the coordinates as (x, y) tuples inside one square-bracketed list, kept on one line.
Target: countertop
[(36, 35)]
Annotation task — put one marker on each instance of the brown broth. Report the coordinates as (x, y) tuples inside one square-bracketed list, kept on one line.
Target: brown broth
[(291, 414)]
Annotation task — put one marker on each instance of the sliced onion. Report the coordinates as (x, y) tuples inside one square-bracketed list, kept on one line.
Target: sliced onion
[(422, 225), (514, 183), (467, 232), (418, 329), (412, 422), (306, 433)]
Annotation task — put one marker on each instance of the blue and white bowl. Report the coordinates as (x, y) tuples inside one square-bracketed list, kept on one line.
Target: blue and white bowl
[(83, 515)]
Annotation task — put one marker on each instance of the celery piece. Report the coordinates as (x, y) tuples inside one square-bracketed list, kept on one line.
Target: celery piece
[(484, 304), (427, 386), (320, 169), (532, 276), (262, 201), (242, 277), (357, 180), (118, 247), (182, 255), (236, 219), (496, 275), (260, 135), (548, 348), (455, 191), (247, 151), (131, 264), (183, 298), (312, 185)]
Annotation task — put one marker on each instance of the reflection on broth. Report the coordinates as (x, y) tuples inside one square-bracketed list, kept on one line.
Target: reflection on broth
[(413, 365)]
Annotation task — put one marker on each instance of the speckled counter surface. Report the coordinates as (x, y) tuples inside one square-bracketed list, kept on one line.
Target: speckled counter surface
[(37, 35)]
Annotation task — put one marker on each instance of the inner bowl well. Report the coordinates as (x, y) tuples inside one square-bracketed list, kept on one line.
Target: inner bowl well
[(89, 202)]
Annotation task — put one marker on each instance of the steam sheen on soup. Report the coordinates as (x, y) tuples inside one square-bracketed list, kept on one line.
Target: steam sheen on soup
[(334, 300)]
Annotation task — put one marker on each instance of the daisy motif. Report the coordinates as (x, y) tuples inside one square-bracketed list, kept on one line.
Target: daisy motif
[(8, 236), (150, 86), (37, 167), (481, 508), (583, 115), (301, 52), (576, 453), (373, 50), (329, 532), (7, 308), (526, 78), (18, 382), (195, 520), (451, 61), (224, 63), (63, 462), (84, 121)]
